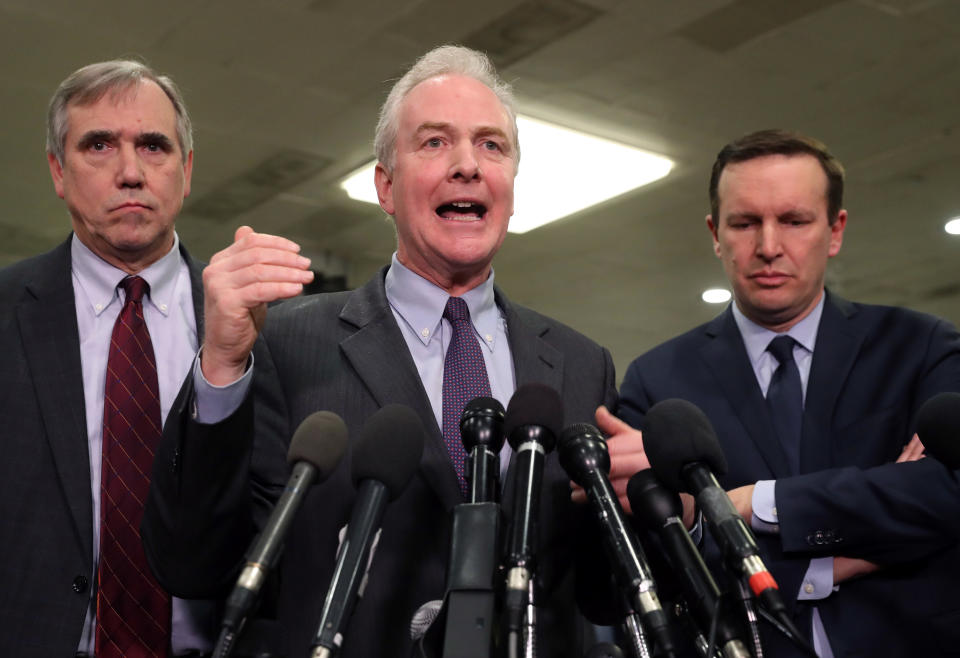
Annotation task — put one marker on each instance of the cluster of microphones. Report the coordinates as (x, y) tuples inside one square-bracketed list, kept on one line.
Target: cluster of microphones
[(488, 609)]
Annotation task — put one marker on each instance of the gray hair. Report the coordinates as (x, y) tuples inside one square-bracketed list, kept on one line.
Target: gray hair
[(92, 82), (442, 60)]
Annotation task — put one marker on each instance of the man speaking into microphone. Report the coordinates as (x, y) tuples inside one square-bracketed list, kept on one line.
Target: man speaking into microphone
[(814, 400), (429, 331)]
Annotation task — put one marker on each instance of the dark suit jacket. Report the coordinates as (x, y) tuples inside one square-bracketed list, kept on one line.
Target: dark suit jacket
[(872, 368), (213, 485), (46, 511)]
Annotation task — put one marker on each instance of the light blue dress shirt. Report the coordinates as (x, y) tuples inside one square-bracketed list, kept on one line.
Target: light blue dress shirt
[(168, 312)]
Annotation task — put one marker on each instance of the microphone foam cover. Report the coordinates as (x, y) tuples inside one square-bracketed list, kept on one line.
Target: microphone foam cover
[(938, 424), (677, 433), (321, 440), (534, 404), (491, 405), (389, 448)]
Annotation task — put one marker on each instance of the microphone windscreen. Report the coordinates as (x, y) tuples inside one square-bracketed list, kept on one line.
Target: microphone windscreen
[(389, 448), (320, 440), (482, 423), (677, 433), (938, 424), (651, 502), (533, 404)]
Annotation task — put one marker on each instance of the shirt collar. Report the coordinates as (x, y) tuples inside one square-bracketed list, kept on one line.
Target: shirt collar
[(99, 279), (757, 338), (420, 303)]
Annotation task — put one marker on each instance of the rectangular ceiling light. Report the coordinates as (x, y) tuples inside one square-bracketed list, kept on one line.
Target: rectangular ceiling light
[(562, 171)]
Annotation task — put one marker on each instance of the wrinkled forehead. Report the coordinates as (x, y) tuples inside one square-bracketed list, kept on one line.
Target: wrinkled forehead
[(143, 100), (455, 100)]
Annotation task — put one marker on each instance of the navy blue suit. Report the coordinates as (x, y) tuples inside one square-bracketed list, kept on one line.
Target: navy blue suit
[(873, 367)]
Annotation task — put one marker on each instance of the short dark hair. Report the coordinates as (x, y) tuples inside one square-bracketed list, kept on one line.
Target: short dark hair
[(779, 142)]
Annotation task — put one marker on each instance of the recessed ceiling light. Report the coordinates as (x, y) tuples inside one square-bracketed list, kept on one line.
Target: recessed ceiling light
[(715, 295), (953, 226), (562, 171)]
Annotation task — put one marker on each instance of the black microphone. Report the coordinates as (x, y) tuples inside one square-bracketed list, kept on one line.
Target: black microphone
[(385, 457), (315, 450), (584, 456), (531, 424), (481, 430), (938, 424), (684, 452), (660, 509)]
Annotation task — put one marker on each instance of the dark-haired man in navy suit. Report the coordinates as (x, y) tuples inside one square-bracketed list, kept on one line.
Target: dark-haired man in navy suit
[(863, 547)]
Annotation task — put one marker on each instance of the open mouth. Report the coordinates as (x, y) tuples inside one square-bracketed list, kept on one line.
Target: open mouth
[(464, 211)]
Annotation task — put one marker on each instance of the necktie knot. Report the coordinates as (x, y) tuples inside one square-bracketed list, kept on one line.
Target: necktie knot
[(782, 348), (135, 288), (456, 309)]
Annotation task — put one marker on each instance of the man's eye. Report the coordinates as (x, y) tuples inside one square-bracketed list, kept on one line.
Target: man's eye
[(491, 145), (434, 142), (98, 146)]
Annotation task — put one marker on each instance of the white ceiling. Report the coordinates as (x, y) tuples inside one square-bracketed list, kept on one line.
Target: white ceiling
[(284, 97)]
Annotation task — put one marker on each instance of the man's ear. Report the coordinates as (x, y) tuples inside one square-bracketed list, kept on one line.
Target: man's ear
[(713, 231), (384, 183), (56, 173)]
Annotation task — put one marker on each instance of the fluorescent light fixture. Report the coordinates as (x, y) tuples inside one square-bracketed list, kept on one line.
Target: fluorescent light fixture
[(953, 226), (715, 296), (562, 171)]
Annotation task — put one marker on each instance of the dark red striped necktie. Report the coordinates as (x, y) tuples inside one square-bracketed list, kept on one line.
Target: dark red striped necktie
[(133, 611)]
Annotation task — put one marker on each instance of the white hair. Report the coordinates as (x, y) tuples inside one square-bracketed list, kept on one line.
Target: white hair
[(443, 60)]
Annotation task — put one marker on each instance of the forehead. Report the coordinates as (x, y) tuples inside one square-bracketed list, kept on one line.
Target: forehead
[(773, 182), (143, 107), (455, 100)]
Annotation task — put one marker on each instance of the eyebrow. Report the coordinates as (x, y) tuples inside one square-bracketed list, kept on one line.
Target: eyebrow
[(94, 136)]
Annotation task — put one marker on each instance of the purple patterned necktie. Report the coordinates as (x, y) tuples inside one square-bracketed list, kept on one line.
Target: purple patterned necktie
[(133, 611), (464, 378)]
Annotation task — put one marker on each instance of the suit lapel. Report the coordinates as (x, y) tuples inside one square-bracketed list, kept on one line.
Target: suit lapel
[(534, 361), (726, 357), (834, 355), (196, 289), (379, 354), (48, 328)]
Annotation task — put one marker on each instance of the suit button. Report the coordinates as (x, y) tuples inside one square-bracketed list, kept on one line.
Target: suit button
[(80, 584)]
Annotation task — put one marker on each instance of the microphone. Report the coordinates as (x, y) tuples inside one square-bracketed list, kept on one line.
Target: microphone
[(531, 424), (584, 456), (684, 453), (385, 457), (938, 424), (315, 450), (659, 508), (481, 430)]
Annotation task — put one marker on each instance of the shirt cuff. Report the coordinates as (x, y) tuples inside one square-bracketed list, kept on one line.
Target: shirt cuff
[(696, 532), (818, 581), (212, 403), (764, 518)]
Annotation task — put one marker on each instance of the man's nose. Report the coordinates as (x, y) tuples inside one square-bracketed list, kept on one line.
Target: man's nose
[(769, 243), (130, 172), (465, 164)]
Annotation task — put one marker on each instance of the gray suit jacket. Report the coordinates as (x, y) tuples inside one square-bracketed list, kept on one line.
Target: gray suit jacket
[(214, 485), (46, 511)]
